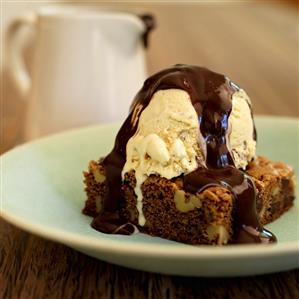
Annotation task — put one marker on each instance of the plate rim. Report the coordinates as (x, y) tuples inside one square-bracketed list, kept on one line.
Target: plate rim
[(139, 247)]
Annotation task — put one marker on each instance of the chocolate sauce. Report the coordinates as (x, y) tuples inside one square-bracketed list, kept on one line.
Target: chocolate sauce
[(211, 96), (150, 23), (247, 228)]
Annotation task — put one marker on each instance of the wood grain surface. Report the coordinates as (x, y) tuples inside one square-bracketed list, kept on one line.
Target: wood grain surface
[(31, 267), (256, 45)]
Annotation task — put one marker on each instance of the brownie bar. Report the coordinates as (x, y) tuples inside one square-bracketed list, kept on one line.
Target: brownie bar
[(174, 214), (95, 188), (275, 183), (204, 218)]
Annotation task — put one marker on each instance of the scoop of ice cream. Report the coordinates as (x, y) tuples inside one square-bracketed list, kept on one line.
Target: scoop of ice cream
[(168, 141)]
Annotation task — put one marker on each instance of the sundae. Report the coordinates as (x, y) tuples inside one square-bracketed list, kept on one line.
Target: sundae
[(184, 165)]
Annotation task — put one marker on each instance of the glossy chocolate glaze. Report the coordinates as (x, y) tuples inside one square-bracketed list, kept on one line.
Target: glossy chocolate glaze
[(247, 228), (211, 96)]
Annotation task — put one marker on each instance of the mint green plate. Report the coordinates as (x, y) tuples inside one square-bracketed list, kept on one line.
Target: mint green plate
[(42, 193)]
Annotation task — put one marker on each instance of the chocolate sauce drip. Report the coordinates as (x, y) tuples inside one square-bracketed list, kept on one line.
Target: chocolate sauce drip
[(211, 96), (150, 23), (247, 228)]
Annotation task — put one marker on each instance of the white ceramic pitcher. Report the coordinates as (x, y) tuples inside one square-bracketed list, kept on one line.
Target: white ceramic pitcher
[(86, 67)]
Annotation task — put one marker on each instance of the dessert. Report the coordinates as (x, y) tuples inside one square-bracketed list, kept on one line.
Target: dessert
[(184, 167)]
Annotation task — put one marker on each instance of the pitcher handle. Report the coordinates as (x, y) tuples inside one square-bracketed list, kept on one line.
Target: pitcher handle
[(15, 44)]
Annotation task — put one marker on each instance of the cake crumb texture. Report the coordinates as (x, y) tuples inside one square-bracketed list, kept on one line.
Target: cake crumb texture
[(201, 218)]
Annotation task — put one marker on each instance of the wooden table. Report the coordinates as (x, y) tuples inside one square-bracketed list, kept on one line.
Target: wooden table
[(31, 267)]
